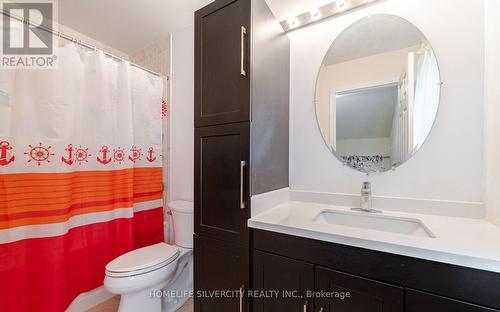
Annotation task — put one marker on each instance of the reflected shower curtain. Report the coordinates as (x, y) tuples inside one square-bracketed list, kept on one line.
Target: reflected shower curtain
[(427, 90), (80, 175), (402, 124)]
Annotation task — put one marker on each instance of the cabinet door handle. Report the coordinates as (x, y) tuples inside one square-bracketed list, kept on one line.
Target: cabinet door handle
[(305, 306), (243, 72), (242, 183), (242, 293)]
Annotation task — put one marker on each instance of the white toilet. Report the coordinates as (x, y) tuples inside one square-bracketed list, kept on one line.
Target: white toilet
[(157, 277)]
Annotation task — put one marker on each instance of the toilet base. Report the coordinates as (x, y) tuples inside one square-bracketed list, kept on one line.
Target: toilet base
[(180, 288), (149, 292), (140, 301)]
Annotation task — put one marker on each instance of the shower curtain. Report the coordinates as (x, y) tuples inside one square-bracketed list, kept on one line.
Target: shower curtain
[(80, 175)]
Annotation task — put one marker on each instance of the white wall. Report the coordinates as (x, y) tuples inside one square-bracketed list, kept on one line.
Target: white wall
[(104, 46), (155, 56), (182, 105), (182, 115), (449, 164), (492, 110)]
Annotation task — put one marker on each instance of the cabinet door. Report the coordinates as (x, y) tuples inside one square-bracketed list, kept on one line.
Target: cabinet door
[(221, 182), (341, 292), (281, 284), (220, 267), (417, 301), (222, 84)]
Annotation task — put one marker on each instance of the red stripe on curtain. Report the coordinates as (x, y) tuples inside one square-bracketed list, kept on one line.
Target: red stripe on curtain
[(148, 227), (47, 274)]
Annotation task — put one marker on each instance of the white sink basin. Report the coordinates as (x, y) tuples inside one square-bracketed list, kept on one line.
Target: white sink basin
[(375, 222)]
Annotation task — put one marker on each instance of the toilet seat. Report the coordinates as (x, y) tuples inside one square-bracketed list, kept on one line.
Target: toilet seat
[(142, 260)]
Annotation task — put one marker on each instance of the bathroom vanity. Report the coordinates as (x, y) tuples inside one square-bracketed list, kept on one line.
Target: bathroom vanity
[(436, 267), (376, 100)]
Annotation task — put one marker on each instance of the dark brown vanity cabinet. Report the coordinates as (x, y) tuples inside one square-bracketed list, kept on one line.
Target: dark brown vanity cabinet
[(241, 90), (376, 281), (287, 285)]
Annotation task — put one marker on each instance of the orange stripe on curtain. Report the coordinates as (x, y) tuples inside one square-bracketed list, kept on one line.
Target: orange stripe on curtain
[(64, 195), (82, 175), (34, 201)]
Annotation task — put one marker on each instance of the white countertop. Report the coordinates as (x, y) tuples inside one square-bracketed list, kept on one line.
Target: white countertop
[(473, 243)]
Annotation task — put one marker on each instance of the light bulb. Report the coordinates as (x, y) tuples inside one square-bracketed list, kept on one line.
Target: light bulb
[(340, 3), (314, 13)]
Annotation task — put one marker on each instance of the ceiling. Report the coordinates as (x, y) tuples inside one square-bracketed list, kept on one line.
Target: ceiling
[(127, 25), (366, 113), (130, 25)]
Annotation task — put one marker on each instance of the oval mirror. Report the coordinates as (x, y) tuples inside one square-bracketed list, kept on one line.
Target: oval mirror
[(377, 93)]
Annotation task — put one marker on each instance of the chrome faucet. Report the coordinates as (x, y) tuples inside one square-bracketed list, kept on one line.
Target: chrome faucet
[(366, 199), (366, 196)]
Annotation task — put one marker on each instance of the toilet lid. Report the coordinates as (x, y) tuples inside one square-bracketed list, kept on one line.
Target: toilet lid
[(144, 258)]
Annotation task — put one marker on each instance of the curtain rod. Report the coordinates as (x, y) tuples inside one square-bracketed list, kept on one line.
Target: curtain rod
[(81, 43)]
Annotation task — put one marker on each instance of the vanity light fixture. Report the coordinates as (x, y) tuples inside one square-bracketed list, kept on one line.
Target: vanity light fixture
[(332, 9)]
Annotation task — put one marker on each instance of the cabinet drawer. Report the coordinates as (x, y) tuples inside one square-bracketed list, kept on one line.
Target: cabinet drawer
[(222, 82), (417, 301), (341, 292), (284, 281), (220, 266)]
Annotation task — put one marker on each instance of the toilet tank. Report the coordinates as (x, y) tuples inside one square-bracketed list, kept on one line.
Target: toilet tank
[(182, 215)]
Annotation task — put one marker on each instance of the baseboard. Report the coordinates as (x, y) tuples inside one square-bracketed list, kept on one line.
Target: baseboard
[(493, 218), (88, 300), (476, 210), (448, 208)]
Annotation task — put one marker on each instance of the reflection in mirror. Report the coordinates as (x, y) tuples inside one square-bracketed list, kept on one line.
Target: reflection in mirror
[(377, 93)]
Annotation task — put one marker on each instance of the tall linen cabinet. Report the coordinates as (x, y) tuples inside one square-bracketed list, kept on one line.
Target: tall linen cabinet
[(241, 116)]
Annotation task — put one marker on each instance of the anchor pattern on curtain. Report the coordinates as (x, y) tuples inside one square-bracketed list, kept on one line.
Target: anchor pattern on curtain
[(80, 175), (40, 154)]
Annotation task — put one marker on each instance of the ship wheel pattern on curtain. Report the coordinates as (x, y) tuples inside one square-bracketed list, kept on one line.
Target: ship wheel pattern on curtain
[(40, 154)]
